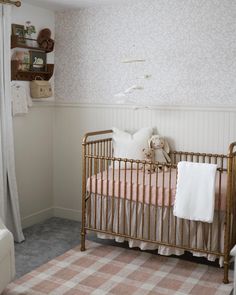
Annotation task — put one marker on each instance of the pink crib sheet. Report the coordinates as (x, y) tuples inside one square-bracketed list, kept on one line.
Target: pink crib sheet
[(155, 189)]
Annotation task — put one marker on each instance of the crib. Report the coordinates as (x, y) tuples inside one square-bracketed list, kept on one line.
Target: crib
[(126, 203)]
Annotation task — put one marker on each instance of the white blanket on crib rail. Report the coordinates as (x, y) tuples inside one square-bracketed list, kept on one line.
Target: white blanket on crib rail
[(195, 195)]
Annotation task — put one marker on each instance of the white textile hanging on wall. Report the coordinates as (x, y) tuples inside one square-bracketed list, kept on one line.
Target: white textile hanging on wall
[(9, 203), (21, 101)]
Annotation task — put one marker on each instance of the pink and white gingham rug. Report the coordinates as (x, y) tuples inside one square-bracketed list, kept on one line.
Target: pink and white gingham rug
[(103, 269)]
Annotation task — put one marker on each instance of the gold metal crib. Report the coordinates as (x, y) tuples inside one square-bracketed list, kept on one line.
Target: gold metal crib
[(121, 200)]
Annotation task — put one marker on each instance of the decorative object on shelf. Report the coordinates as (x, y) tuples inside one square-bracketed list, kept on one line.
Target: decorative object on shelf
[(28, 32), (16, 43), (29, 29), (22, 36), (27, 67), (38, 61), (44, 40), (19, 31), (29, 75), (40, 88), (23, 58)]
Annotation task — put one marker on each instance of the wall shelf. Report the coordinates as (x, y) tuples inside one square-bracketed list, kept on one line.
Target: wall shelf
[(20, 42), (30, 75)]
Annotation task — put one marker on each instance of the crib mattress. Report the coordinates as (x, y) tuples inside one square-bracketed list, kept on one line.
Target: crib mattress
[(158, 188)]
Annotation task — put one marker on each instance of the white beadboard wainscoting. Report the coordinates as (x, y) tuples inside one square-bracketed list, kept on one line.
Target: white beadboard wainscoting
[(188, 129), (33, 140), (48, 147)]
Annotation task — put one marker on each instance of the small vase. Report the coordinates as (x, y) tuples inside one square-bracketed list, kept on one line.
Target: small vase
[(29, 42)]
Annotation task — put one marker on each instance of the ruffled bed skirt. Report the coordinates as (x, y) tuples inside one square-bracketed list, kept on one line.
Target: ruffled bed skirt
[(148, 222)]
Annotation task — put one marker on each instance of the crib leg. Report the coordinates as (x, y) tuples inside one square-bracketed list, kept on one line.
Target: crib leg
[(82, 247), (226, 272), (83, 230)]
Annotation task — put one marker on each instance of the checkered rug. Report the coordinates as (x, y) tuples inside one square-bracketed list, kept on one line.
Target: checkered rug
[(106, 269)]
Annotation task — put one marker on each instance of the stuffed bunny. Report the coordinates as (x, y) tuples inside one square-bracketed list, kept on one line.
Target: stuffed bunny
[(161, 148), (149, 156)]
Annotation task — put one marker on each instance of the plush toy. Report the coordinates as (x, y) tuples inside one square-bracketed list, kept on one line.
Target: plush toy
[(149, 156), (161, 148)]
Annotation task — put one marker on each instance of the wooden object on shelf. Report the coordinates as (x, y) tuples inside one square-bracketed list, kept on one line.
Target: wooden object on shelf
[(30, 75), (16, 42), (45, 41)]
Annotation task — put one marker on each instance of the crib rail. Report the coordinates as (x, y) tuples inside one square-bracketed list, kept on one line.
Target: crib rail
[(121, 198), (97, 147)]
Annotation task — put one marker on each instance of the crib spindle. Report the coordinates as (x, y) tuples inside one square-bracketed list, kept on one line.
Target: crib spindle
[(189, 233), (169, 205), (95, 197), (119, 196), (149, 204), (163, 202), (101, 196), (107, 190), (97, 148), (196, 234), (125, 198), (131, 199), (137, 200), (113, 195), (156, 205), (90, 185), (143, 201)]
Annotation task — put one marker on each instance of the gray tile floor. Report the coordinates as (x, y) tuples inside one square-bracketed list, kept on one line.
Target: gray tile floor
[(55, 236)]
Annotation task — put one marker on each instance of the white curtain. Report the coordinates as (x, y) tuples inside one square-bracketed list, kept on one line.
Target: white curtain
[(9, 203)]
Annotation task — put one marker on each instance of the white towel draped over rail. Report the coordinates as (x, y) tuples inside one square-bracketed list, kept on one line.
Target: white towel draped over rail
[(195, 195)]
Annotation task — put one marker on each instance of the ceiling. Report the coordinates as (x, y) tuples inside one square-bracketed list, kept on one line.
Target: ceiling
[(68, 4)]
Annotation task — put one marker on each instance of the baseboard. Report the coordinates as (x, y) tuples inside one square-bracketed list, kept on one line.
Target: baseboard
[(37, 217), (51, 212), (67, 213)]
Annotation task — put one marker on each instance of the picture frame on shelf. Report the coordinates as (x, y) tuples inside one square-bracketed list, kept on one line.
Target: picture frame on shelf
[(23, 59), (19, 31), (38, 61)]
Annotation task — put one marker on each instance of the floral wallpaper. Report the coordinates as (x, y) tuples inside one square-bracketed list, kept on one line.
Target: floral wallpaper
[(187, 48)]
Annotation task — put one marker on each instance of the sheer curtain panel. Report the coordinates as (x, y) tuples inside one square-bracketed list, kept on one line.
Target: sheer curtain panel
[(9, 203)]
